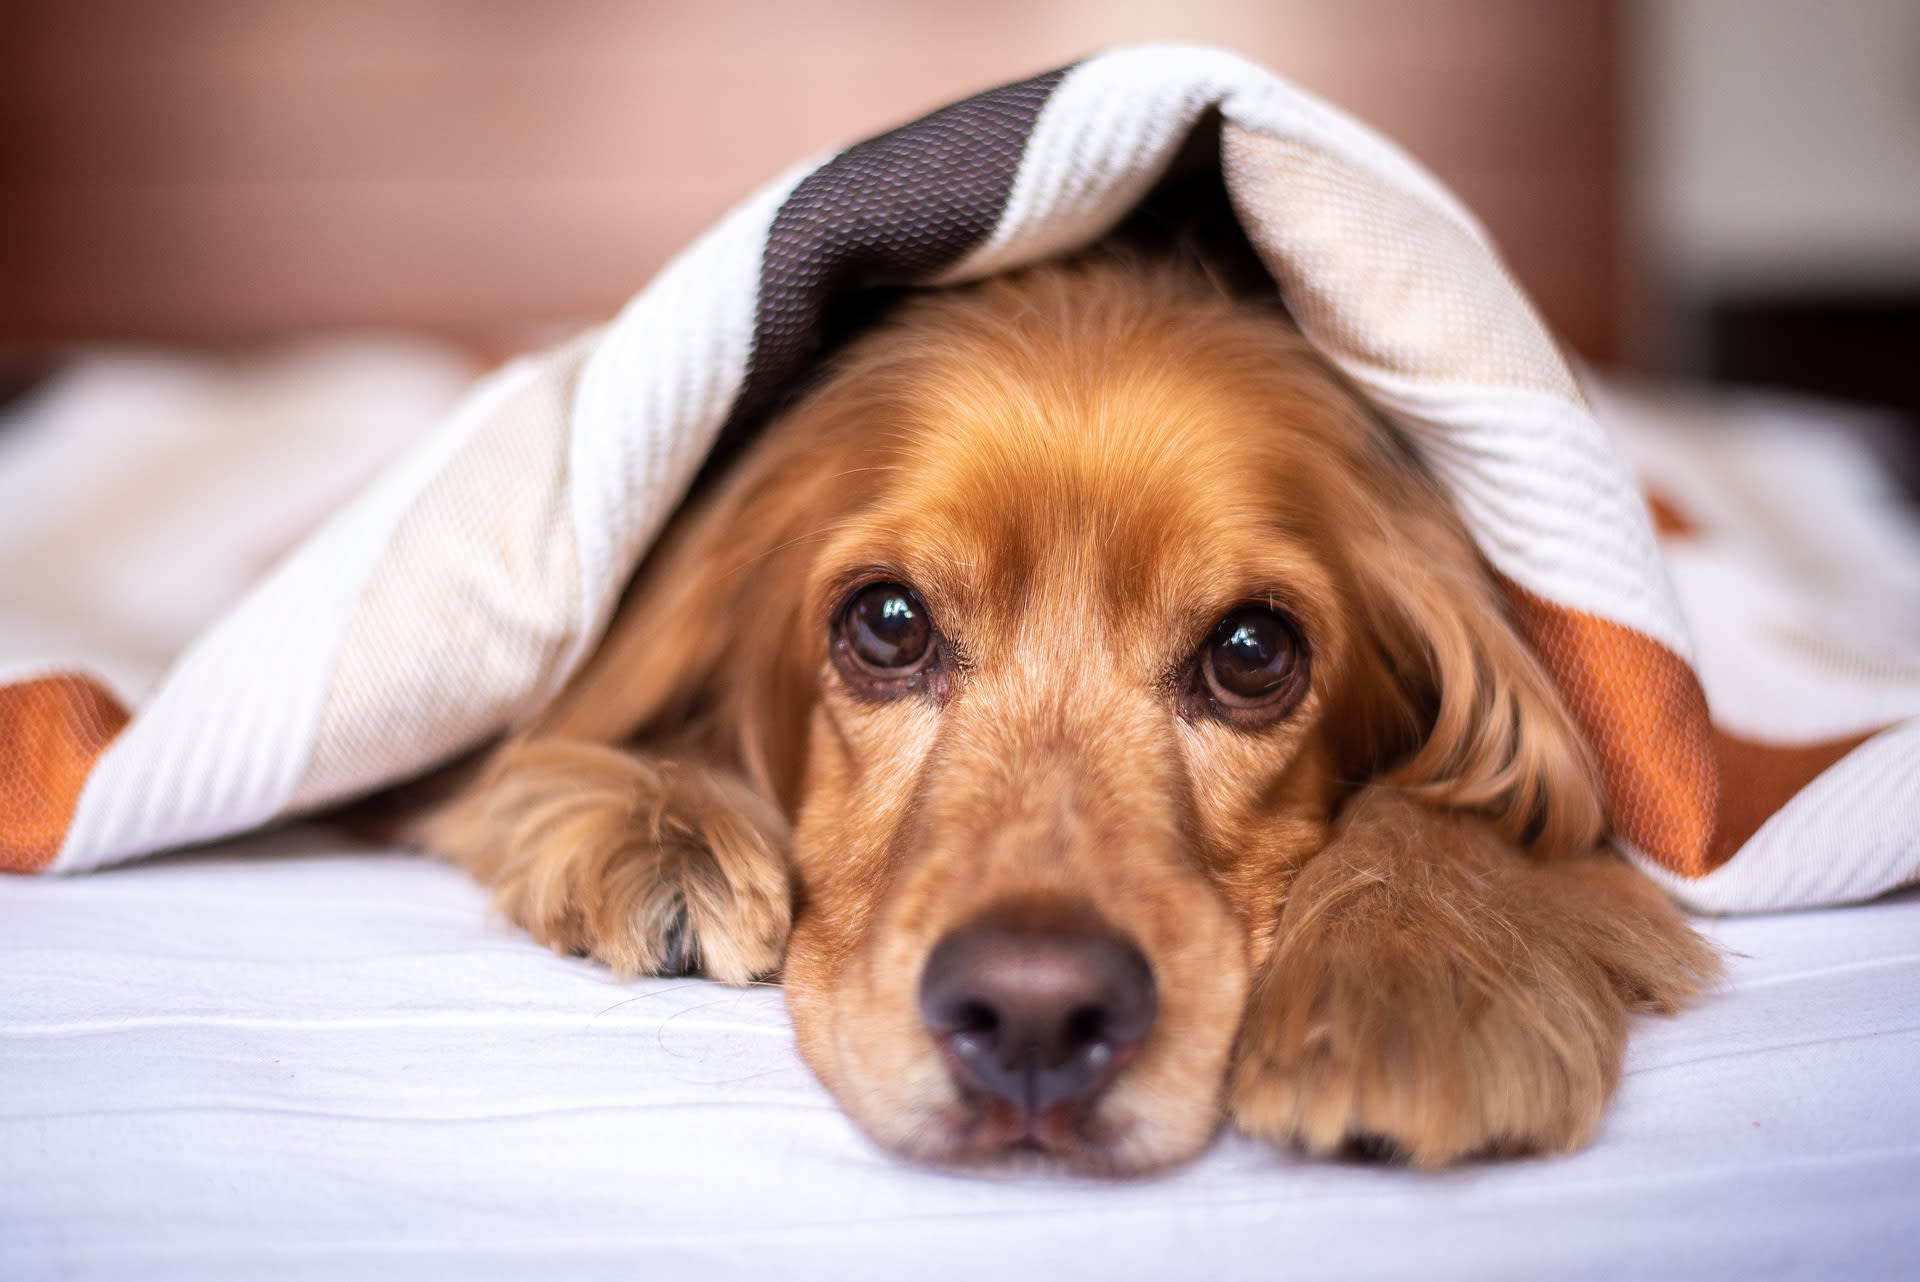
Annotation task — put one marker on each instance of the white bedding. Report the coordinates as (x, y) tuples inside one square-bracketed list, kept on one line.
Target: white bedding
[(329, 1062)]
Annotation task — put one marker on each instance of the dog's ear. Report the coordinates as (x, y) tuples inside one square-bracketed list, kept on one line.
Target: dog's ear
[(709, 654), (1451, 702), (669, 853)]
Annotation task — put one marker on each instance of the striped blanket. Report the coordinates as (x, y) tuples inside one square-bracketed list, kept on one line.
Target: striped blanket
[(454, 596)]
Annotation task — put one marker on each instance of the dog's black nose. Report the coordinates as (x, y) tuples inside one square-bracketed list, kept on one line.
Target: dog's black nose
[(1037, 1017)]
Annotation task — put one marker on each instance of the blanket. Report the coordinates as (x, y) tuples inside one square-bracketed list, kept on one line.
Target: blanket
[(451, 599)]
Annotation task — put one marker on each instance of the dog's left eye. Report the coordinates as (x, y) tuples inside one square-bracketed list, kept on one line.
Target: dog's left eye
[(1255, 661), (884, 638)]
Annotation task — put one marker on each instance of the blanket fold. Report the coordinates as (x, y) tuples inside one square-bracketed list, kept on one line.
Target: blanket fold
[(453, 597)]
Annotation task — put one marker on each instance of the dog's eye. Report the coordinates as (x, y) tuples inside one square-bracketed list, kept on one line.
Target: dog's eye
[(887, 629), (1255, 659)]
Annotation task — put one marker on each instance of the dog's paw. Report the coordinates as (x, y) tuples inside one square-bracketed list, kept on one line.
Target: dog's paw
[(653, 867), (1434, 995)]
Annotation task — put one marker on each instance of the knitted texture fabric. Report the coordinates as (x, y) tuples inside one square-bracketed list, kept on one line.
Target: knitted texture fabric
[(455, 596)]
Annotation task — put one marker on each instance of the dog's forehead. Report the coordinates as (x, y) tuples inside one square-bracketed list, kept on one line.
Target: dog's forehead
[(1143, 493), (1122, 443)]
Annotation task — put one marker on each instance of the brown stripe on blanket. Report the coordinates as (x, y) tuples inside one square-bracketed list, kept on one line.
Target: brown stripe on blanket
[(893, 210), (57, 727)]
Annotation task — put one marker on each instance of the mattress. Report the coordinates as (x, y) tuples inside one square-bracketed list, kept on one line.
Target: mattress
[(300, 1058), (294, 1056)]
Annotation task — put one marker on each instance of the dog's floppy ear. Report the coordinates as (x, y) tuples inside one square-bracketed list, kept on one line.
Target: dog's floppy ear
[(1459, 710), (642, 818), (709, 653)]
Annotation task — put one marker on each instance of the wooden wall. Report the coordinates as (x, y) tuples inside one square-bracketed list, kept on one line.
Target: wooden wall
[(216, 170)]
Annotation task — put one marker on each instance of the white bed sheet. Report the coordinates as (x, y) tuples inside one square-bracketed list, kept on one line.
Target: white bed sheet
[(318, 1061)]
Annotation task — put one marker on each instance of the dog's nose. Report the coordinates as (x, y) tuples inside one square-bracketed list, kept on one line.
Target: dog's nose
[(1037, 1017)]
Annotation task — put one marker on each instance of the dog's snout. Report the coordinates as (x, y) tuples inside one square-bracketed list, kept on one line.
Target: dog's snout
[(1037, 1017)]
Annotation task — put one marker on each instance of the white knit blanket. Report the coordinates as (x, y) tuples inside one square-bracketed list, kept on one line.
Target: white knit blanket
[(454, 596)]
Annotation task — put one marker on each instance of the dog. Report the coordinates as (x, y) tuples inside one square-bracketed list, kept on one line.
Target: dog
[(1104, 727)]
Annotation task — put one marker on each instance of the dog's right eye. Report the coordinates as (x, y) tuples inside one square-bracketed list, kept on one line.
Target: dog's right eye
[(885, 636), (1253, 668)]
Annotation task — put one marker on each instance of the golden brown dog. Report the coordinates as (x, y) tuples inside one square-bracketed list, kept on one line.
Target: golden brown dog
[(1107, 729)]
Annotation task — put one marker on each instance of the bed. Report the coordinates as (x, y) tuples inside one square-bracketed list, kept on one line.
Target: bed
[(303, 1058)]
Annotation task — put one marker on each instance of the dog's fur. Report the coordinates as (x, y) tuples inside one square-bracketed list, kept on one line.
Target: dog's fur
[(1381, 916)]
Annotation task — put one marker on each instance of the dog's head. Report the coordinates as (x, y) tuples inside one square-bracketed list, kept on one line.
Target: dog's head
[(1061, 618)]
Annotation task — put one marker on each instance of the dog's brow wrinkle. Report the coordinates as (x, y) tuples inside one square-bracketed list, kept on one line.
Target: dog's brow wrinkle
[(764, 553)]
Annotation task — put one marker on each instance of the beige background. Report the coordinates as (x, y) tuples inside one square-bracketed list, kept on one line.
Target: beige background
[(234, 169)]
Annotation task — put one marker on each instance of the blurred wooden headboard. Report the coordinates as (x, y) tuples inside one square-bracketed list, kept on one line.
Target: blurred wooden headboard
[(219, 170)]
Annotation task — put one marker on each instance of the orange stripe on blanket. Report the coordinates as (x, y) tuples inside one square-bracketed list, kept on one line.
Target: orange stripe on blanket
[(52, 730), (1759, 778), (1669, 521), (1646, 716), (1684, 791)]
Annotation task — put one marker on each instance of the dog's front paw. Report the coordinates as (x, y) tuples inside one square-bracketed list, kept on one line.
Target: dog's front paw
[(1435, 995), (654, 867)]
